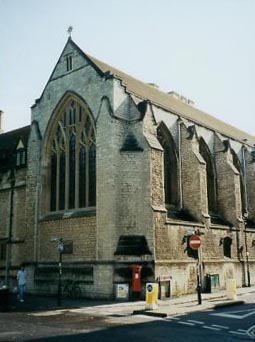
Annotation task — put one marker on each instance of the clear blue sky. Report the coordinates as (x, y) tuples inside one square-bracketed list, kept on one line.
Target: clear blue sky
[(203, 49)]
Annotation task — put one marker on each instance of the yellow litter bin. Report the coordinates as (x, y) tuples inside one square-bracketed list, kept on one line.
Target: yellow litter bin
[(231, 289), (151, 296)]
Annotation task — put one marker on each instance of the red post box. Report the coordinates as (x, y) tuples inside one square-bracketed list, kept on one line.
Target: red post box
[(136, 278)]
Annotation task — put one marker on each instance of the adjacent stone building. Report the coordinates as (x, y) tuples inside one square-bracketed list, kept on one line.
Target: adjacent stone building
[(124, 174)]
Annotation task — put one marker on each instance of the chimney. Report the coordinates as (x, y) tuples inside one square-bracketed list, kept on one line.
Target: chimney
[(181, 98), (154, 85)]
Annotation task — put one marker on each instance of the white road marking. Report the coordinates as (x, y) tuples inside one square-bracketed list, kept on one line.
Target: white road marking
[(242, 330), (175, 318), (209, 327), (220, 326), (186, 323), (237, 332), (251, 331), (196, 322), (241, 314)]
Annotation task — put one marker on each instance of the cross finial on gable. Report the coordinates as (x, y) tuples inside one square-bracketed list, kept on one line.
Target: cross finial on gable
[(69, 31)]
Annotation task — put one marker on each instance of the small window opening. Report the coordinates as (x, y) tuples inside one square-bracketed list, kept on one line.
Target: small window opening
[(21, 158), (2, 251), (69, 63), (227, 242), (20, 154)]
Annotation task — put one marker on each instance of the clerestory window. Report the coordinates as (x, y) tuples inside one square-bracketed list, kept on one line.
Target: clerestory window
[(73, 160)]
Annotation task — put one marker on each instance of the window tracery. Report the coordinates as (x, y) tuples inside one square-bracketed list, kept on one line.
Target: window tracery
[(73, 160)]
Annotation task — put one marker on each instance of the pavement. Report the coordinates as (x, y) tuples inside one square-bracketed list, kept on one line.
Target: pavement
[(167, 307)]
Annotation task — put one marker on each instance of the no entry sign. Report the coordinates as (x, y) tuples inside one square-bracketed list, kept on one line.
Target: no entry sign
[(194, 242)]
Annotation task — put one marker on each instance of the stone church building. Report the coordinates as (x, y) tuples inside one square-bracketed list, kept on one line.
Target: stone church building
[(124, 174)]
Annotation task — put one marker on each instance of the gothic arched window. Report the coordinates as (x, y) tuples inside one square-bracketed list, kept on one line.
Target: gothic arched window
[(73, 159), (210, 175), (170, 167)]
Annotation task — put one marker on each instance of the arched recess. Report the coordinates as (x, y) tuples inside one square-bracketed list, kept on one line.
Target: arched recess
[(238, 166), (210, 176), (70, 156), (171, 174)]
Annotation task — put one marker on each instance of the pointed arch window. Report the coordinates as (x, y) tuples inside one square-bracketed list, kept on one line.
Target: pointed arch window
[(73, 159), (20, 155), (210, 176), (170, 167)]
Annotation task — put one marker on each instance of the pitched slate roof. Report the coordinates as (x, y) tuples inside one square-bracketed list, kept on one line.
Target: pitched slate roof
[(163, 100), (171, 104), (8, 144)]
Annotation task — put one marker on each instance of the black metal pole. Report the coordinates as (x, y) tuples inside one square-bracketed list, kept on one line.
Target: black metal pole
[(199, 287), (248, 270), (247, 260), (60, 280), (247, 253)]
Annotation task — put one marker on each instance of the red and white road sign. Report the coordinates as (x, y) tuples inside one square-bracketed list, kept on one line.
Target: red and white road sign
[(194, 242)]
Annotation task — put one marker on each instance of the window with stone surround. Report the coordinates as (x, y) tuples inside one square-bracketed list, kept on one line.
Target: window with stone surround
[(227, 242), (171, 180), (69, 63), (73, 159), (210, 177), (21, 157)]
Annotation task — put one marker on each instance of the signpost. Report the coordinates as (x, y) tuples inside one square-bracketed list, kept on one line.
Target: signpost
[(195, 243)]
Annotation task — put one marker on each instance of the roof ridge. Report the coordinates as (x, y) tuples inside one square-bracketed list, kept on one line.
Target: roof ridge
[(198, 116)]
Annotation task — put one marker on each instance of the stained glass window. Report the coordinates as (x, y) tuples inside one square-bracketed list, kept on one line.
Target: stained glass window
[(73, 159)]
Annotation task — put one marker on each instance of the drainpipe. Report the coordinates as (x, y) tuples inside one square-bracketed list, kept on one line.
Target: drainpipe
[(180, 162), (245, 217)]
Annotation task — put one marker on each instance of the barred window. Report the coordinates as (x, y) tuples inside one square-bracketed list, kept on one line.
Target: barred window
[(73, 160)]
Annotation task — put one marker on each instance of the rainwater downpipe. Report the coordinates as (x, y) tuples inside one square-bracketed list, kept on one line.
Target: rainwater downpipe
[(180, 162), (246, 217), (245, 180)]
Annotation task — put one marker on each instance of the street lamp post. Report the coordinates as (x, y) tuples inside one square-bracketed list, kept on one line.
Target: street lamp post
[(60, 248)]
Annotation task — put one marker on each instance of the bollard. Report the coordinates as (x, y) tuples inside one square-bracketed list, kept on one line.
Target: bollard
[(231, 289), (151, 296)]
